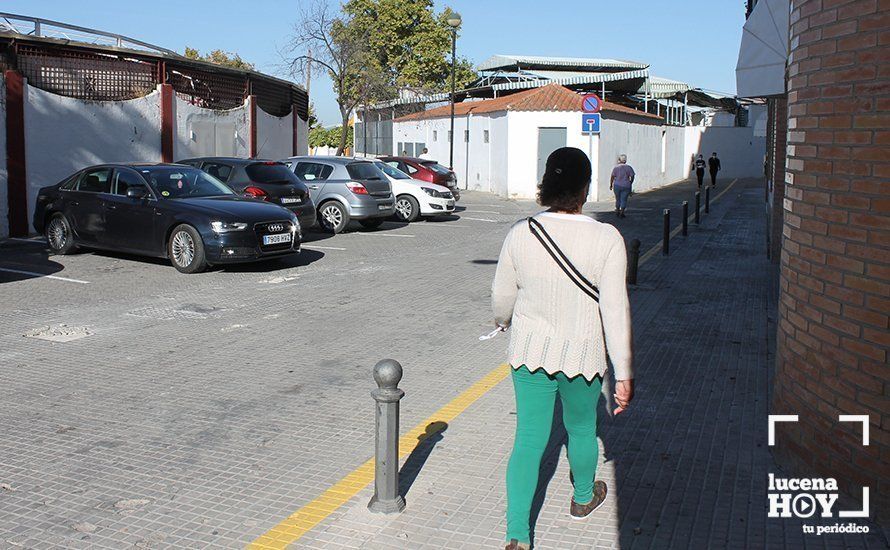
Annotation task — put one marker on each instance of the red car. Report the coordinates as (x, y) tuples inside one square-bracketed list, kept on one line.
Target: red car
[(426, 170)]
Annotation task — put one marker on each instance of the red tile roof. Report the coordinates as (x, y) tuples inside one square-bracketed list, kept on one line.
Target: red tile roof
[(551, 97)]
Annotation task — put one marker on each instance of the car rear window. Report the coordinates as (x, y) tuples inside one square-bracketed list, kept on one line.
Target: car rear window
[(363, 171), (269, 172), (436, 167)]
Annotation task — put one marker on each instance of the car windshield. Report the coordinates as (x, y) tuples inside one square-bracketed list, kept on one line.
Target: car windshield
[(180, 182), (436, 167), (363, 171), (270, 172), (392, 171)]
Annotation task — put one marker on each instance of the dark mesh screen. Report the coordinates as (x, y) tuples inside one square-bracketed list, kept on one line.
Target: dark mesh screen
[(208, 89)]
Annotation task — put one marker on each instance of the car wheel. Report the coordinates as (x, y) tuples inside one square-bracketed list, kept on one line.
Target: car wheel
[(59, 236), (186, 250), (373, 223), (407, 208), (333, 216)]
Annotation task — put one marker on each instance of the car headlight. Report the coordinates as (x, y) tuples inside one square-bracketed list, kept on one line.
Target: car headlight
[(226, 227), (431, 192)]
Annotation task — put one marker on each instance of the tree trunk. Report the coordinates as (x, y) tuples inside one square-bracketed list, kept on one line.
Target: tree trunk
[(343, 129)]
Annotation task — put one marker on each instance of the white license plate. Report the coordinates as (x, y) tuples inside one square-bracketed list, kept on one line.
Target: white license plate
[(291, 200), (384, 206), (276, 239)]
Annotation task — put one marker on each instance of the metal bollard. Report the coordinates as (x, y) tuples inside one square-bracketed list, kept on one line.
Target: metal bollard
[(386, 499), (707, 200), (633, 262), (685, 218), (697, 207), (666, 232)]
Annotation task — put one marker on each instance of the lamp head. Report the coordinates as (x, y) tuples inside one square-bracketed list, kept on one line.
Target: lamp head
[(454, 20)]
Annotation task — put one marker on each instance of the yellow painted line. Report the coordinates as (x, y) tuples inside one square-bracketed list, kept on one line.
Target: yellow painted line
[(306, 518), (657, 247)]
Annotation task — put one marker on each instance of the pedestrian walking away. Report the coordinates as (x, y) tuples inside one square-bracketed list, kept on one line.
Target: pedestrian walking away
[(621, 181), (560, 289), (713, 167), (700, 169)]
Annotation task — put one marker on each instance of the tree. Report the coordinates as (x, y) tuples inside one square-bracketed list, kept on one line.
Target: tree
[(220, 57), (409, 43), (340, 50)]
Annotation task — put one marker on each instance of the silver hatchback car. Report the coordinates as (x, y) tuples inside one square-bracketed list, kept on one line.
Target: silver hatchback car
[(344, 189)]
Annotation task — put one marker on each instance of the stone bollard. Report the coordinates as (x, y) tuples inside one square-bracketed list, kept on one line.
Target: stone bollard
[(685, 218), (697, 207), (633, 262), (386, 499), (707, 200), (666, 232)]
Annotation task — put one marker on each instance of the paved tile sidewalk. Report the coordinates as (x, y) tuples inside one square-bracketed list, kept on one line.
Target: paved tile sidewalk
[(686, 466)]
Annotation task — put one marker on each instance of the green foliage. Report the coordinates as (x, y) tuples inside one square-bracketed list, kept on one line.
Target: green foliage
[(408, 43), (220, 57), (330, 137)]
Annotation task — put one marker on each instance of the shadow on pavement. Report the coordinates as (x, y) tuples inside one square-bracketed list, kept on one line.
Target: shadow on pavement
[(302, 259), (484, 262), (426, 442), (25, 260)]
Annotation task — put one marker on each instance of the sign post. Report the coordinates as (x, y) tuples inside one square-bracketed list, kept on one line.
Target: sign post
[(590, 125)]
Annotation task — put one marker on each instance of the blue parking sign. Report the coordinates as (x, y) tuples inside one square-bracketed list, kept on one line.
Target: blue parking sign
[(590, 123)]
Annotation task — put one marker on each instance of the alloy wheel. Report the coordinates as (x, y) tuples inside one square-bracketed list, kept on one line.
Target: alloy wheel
[(404, 208), (332, 216), (183, 249), (57, 234)]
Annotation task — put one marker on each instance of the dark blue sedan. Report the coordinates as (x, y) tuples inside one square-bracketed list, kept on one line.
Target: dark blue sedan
[(166, 211)]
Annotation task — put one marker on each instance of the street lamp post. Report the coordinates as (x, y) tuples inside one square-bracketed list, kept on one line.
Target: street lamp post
[(453, 21)]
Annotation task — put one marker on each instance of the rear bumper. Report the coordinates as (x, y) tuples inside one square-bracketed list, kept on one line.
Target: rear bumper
[(373, 207), (305, 213)]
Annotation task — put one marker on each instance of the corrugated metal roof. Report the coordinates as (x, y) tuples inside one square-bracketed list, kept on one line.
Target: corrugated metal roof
[(551, 97), (507, 61), (587, 78)]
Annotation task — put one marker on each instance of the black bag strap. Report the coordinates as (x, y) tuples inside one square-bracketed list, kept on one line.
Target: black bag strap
[(561, 260)]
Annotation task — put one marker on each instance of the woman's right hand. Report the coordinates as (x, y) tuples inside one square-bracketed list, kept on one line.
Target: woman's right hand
[(624, 394)]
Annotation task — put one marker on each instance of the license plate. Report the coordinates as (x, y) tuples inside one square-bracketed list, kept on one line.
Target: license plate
[(291, 200), (384, 206), (450, 204), (276, 239)]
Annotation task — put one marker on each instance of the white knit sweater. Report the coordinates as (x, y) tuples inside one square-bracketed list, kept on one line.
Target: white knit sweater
[(554, 325)]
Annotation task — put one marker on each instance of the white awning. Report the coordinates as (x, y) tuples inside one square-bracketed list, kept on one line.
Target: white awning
[(760, 71)]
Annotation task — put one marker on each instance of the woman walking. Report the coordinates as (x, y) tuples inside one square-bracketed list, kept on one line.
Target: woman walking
[(560, 286), (622, 180)]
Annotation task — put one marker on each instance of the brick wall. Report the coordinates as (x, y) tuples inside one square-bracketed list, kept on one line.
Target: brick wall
[(833, 332)]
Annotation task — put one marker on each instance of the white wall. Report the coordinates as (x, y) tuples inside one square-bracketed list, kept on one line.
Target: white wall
[(274, 135), (4, 175), (302, 135), (205, 132), (63, 135), (740, 151)]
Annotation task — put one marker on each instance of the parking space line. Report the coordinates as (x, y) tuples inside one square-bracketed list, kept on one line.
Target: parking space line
[(313, 247), (44, 275), (478, 219), (306, 518), (481, 211), (384, 235), (441, 224)]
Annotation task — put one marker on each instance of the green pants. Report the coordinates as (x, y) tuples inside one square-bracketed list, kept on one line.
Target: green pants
[(535, 398)]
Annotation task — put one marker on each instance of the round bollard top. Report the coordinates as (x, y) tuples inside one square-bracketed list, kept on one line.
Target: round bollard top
[(387, 374)]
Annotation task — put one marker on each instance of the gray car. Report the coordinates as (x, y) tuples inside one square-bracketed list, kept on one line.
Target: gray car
[(344, 189)]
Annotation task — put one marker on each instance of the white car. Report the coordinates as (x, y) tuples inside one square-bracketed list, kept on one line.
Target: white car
[(415, 198)]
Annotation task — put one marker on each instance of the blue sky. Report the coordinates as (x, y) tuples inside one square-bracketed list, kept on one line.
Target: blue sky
[(695, 41)]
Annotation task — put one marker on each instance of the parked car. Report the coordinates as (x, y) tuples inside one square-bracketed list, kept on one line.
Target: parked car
[(344, 189), (166, 211), (415, 198), (262, 179), (426, 170)]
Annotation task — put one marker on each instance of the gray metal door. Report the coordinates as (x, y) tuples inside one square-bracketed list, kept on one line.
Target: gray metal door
[(549, 140)]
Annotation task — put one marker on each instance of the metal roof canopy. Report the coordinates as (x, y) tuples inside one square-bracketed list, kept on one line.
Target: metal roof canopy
[(515, 62)]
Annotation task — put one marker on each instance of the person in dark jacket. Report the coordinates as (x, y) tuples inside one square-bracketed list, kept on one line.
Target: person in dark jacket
[(699, 169), (713, 167)]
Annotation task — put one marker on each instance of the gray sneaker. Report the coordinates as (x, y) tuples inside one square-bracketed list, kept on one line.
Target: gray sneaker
[(581, 511)]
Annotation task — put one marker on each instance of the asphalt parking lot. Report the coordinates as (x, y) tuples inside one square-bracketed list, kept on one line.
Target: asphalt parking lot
[(143, 406)]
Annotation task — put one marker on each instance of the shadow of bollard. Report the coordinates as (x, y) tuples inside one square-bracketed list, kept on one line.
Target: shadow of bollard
[(426, 442)]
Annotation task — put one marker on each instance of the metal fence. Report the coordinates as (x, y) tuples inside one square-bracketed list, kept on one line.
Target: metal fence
[(97, 73)]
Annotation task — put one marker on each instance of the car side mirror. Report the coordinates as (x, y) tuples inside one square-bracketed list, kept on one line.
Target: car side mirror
[(137, 192)]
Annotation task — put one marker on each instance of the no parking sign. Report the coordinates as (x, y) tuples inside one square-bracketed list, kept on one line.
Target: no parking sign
[(591, 103)]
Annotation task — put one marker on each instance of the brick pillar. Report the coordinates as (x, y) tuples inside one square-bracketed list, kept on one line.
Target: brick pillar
[(835, 264), (17, 181), (778, 112)]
